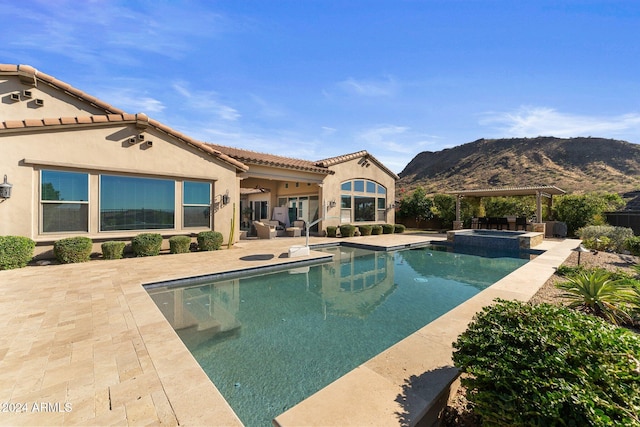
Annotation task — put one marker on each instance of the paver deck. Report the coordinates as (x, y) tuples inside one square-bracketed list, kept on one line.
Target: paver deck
[(84, 344)]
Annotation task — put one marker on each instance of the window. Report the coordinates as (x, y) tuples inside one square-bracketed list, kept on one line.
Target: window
[(64, 199), (128, 203), (366, 203), (196, 204)]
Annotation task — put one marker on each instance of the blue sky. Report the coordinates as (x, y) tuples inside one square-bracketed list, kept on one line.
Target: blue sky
[(313, 79)]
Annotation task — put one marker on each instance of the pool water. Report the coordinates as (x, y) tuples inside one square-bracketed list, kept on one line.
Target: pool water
[(268, 342)]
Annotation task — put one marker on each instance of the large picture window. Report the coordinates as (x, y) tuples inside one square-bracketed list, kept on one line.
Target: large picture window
[(196, 204), (64, 200), (129, 203), (362, 201)]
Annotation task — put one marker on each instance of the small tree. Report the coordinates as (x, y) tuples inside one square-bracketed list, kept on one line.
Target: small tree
[(416, 206), (580, 210), (444, 207)]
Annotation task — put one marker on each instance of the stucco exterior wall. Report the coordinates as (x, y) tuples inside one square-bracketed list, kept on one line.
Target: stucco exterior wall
[(349, 170), (105, 150), (54, 102)]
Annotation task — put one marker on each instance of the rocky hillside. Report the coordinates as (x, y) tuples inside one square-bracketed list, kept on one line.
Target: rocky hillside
[(576, 165)]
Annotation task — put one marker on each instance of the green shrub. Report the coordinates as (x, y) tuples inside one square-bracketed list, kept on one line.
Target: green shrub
[(388, 228), (595, 292), (632, 244), (611, 238), (113, 249), (569, 270), (376, 229), (15, 251), (146, 244), (73, 249), (347, 230), (365, 230), (399, 228), (548, 365), (179, 244), (332, 231), (209, 240)]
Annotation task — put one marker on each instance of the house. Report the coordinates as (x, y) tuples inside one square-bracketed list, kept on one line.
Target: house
[(78, 166)]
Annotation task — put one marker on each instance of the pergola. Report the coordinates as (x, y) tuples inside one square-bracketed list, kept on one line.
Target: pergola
[(542, 191)]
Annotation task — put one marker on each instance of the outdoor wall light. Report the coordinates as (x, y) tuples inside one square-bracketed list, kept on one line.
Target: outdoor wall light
[(332, 204), (5, 189), (225, 199)]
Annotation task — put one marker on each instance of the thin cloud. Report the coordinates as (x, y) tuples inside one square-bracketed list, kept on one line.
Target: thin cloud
[(369, 88), (206, 101), (533, 121), (131, 101)]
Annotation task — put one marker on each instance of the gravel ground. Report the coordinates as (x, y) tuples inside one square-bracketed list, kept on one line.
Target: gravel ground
[(457, 413)]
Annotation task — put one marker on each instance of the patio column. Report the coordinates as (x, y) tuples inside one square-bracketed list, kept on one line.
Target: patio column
[(457, 224)]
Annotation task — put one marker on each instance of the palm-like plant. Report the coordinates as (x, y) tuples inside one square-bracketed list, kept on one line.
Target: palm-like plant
[(595, 292)]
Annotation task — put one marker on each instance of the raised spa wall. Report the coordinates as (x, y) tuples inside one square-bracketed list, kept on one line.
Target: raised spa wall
[(526, 240)]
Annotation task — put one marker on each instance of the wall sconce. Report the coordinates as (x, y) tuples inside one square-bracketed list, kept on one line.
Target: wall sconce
[(391, 206), (332, 204), (226, 198), (5, 189)]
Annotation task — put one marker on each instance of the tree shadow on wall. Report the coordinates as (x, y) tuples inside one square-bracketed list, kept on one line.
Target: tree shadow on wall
[(427, 387)]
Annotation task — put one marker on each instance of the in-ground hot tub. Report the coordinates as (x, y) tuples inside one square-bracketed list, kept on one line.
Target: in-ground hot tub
[(495, 239)]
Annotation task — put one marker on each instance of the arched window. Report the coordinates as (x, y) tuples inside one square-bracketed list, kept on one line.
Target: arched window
[(362, 200)]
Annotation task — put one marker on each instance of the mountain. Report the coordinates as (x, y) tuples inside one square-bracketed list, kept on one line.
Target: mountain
[(576, 165)]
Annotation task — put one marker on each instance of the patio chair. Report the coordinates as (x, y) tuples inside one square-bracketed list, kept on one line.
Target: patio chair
[(265, 231)]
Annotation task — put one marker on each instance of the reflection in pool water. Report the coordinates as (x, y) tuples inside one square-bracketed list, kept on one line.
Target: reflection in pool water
[(268, 342)]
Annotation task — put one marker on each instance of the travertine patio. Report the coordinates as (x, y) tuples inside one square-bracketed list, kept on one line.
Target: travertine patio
[(84, 344)]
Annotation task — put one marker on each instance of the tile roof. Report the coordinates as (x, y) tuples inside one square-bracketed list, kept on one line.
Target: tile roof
[(358, 154), (30, 75), (256, 158), (141, 121)]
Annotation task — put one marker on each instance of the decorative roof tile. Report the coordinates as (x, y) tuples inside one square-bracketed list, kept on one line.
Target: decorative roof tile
[(256, 158)]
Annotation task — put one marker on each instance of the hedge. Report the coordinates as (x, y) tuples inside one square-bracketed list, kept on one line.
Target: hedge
[(146, 244), (332, 231), (347, 230), (113, 249), (72, 249), (179, 244), (209, 240), (365, 230), (15, 251), (376, 229), (388, 228), (399, 228), (549, 365)]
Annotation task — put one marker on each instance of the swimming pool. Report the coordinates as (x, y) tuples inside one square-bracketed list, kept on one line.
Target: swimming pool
[(267, 342)]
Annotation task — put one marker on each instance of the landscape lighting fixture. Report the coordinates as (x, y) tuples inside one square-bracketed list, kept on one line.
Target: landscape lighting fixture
[(581, 249)]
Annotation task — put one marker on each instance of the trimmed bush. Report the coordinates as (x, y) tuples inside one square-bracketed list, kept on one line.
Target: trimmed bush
[(399, 228), (611, 238), (545, 365), (113, 249), (365, 230), (146, 244), (179, 244), (376, 229), (632, 244), (15, 251), (388, 228), (209, 240), (347, 230), (73, 249), (332, 231)]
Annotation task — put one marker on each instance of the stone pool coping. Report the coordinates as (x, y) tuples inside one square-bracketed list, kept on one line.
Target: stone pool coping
[(89, 335)]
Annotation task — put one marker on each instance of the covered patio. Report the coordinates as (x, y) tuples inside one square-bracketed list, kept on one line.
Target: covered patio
[(540, 192)]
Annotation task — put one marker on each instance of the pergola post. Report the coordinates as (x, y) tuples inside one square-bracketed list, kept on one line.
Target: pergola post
[(457, 224)]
